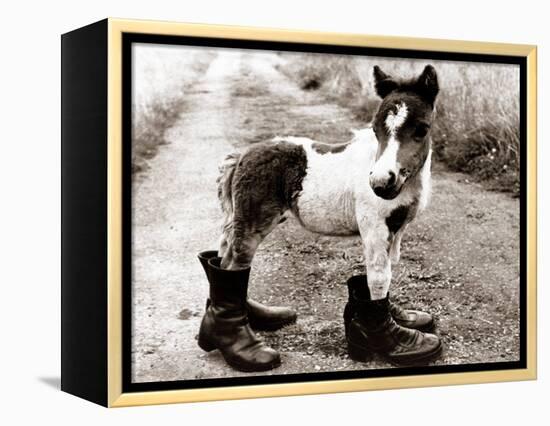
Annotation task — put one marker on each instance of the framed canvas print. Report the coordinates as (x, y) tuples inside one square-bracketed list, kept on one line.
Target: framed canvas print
[(250, 212)]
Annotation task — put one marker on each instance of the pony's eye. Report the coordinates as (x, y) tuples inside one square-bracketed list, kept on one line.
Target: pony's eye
[(421, 131)]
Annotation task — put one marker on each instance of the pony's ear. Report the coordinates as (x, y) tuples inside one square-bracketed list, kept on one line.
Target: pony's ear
[(427, 83), (383, 83)]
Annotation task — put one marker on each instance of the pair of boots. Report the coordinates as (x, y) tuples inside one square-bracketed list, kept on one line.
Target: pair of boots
[(371, 326)]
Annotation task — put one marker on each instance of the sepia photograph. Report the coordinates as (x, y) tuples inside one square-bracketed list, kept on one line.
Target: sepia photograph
[(301, 212)]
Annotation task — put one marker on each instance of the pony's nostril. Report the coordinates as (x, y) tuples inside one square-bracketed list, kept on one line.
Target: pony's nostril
[(391, 181), (379, 190)]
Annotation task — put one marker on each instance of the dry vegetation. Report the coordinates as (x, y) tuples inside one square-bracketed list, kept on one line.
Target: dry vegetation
[(477, 126), (161, 79), (149, 126)]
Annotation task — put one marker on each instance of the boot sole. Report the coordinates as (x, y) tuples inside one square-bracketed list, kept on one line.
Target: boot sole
[(245, 368), (271, 326), (428, 328), (362, 354)]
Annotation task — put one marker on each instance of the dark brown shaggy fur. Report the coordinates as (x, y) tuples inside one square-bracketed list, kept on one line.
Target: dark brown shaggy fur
[(325, 148), (255, 191)]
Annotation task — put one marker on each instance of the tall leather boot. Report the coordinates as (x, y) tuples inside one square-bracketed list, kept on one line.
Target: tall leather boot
[(261, 317), (372, 329), (409, 318), (225, 324)]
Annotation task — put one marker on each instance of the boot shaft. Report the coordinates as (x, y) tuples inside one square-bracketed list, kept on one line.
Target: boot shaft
[(358, 288), (224, 284), (360, 305), (226, 311), (228, 288), (204, 257)]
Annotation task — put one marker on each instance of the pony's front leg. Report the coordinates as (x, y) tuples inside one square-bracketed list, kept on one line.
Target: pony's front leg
[(376, 243), (395, 247), (371, 326)]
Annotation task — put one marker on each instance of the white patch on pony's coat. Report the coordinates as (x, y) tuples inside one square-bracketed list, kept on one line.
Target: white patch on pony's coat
[(388, 160), (326, 203), (395, 120)]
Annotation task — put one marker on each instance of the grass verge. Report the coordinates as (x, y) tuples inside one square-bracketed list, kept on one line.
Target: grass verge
[(161, 81)]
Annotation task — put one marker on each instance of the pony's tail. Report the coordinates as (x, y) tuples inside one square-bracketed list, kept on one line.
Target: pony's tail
[(225, 180)]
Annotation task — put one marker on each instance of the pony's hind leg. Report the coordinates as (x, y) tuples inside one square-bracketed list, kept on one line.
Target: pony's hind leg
[(223, 245), (245, 239), (258, 202), (240, 253)]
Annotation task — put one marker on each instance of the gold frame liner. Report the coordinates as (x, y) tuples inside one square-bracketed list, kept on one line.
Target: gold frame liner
[(116, 398)]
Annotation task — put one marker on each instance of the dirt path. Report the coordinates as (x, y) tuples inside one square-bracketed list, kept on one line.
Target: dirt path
[(459, 260)]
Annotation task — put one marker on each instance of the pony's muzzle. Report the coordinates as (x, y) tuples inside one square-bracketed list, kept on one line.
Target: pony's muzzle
[(386, 186)]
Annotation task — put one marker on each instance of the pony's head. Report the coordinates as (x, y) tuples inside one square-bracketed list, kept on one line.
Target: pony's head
[(402, 126)]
